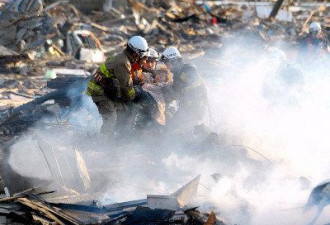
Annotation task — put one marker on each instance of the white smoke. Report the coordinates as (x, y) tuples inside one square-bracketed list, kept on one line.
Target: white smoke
[(286, 119)]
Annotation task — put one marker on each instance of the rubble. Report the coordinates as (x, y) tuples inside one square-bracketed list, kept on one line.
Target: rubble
[(35, 38), (177, 200), (20, 117), (30, 206), (23, 27), (51, 36), (48, 49)]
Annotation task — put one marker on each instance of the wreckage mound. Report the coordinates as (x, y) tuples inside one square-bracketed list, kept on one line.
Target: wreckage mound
[(30, 207), (47, 53)]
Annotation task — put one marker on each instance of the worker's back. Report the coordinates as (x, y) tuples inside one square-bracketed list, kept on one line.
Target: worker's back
[(191, 92)]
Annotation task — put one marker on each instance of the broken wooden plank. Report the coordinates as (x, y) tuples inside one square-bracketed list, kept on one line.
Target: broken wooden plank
[(23, 193), (73, 213), (37, 208), (100, 27), (52, 213), (57, 49), (7, 199), (42, 220)]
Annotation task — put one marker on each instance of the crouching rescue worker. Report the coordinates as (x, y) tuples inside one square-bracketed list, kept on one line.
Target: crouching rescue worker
[(151, 63), (142, 76), (112, 87), (156, 84), (188, 88)]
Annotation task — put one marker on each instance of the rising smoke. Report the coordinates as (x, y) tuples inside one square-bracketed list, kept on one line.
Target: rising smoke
[(283, 116)]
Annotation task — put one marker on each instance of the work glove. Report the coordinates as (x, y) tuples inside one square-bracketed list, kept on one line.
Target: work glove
[(98, 77)]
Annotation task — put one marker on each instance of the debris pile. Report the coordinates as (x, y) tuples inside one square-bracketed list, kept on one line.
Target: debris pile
[(30, 206), (50, 50), (24, 26), (42, 37)]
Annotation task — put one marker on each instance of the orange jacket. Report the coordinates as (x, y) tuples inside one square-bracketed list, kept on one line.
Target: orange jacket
[(136, 73)]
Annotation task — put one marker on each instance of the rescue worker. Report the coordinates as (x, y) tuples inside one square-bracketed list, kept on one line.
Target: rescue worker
[(188, 87), (161, 74), (112, 85), (148, 70), (144, 107), (153, 72), (144, 76), (151, 62), (156, 83), (314, 44)]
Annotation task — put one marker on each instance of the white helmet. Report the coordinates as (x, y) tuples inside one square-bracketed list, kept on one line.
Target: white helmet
[(139, 45), (277, 53), (153, 54), (171, 53), (315, 28)]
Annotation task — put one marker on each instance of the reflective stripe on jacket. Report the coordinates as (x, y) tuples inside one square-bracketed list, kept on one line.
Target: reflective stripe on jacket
[(116, 67)]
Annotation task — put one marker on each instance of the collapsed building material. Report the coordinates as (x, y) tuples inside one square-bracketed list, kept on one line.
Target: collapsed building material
[(84, 45), (23, 27), (30, 206), (33, 25), (177, 200), (8, 56), (60, 78), (20, 118)]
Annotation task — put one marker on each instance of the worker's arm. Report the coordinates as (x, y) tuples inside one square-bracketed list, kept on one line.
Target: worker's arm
[(104, 74), (122, 72)]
